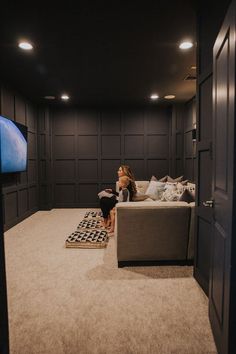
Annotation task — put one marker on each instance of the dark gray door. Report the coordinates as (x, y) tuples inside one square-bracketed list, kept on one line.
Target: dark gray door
[(222, 271)]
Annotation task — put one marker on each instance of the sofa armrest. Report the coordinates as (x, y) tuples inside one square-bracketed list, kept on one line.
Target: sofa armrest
[(152, 232)]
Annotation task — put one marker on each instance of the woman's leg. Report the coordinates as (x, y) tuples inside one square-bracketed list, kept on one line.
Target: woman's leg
[(106, 204), (113, 215)]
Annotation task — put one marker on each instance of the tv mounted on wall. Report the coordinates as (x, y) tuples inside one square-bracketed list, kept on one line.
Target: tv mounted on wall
[(13, 146)]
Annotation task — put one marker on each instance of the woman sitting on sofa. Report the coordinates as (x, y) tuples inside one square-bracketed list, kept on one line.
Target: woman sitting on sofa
[(107, 204)]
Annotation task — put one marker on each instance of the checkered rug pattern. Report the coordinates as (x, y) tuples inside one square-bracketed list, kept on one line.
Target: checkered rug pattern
[(90, 232)]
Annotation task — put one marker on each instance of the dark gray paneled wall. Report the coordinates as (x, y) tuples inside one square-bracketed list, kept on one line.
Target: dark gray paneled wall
[(45, 159), (189, 144), (20, 191), (88, 146), (176, 140)]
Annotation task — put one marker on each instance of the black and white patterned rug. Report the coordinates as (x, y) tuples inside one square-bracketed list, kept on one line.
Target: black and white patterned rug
[(90, 233), (87, 239)]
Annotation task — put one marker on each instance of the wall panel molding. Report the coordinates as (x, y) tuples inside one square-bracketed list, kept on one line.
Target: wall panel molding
[(88, 146)]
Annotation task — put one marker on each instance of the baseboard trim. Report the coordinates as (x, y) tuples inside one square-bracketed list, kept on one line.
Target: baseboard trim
[(122, 264)]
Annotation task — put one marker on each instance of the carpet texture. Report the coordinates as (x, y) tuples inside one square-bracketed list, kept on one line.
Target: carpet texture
[(76, 301)]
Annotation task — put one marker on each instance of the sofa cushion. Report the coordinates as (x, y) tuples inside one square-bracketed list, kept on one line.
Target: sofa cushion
[(140, 197)]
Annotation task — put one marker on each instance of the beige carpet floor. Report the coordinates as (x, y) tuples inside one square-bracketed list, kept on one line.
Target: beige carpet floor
[(76, 301)]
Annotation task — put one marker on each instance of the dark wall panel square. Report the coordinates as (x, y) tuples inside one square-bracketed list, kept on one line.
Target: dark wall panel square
[(42, 146), (32, 145), (88, 193), (188, 144), (64, 169), (138, 168), (64, 193), (158, 145), (64, 122), (111, 145), (110, 122), (109, 169), (179, 168), (64, 147), (23, 178), (10, 207), (87, 122), (32, 171), (158, 168), (31, 117), (88, 169), (20, 110), (7, 103), (87, 146), (134, 145), (179, 145), (158, 121), (41, 120), (43, 195), (23, 201), (33, 200), (42, 170), (133, 122), (188, 169)]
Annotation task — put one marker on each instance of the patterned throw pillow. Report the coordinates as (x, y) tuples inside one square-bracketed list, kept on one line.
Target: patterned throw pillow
[(170, 195)]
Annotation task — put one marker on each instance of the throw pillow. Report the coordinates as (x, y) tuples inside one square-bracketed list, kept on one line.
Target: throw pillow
[(141, 187), (187, 196), (170, 195), (170, 185), (153, 178), (172, 180), (154, 189)]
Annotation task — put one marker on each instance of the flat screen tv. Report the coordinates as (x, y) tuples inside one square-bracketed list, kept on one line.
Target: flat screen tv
[(13, 146)]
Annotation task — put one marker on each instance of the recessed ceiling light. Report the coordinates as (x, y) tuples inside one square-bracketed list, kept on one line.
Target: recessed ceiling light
[(65, 97), (169, 97), (154, 96), (193, 67), (49, 97), (185, 45), (25, 45)]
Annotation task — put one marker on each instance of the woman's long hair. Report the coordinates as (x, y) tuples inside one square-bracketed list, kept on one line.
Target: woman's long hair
[(132, 186)]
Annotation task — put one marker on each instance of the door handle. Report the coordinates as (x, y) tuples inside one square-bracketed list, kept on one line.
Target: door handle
[(208, 203)]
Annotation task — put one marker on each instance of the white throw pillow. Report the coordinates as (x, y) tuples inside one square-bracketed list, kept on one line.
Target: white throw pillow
[(155, 189)]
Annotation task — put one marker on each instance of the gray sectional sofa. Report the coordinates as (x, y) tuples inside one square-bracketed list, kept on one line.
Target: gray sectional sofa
[(150, 231)]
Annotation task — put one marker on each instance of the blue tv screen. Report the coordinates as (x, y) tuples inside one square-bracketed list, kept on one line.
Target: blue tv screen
[(13, 146)]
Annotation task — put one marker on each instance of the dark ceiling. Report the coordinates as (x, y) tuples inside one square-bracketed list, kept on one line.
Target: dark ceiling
[(100, 53)]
